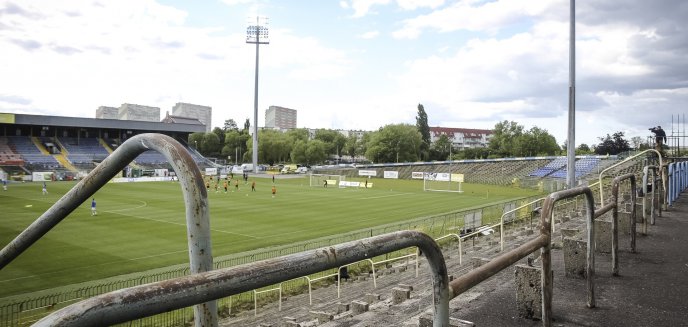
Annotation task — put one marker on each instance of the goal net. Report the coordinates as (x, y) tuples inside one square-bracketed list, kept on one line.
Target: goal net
[(442, 182), (325, 180)]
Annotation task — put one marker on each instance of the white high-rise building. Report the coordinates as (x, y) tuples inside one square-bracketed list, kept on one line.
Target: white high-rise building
[(128, 111), (104, 112), (203, 113), (280, 118)]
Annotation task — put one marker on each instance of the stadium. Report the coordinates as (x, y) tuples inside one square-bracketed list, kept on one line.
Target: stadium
[(479, 209)]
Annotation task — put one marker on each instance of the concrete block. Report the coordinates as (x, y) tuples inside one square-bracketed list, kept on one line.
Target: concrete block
[(322, 316), (342, 307), (405, 286), (569, 232), (265, 324), (401, 269), (529, 232), (575, 257), (425, 320), (603, 235), (290, 322), (528, 292), (358, 307), (399, 295), (624, 223), (372, 297), (362, 278)]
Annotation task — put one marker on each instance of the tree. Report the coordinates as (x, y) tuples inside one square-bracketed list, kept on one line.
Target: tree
[(196, 140), (440, 149), (220, 135), (614, 144), (210, 145), (394, 143), (637, 141), (583, 149), (504, 138), (235, 144), (315, 152), (274, 146), (247, 125), (333, 140), (424, 130), (230, 125), (298, 152), (352, 145), (298, 134), (535, 142)]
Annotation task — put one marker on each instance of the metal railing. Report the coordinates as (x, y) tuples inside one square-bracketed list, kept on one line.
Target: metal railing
[(543, 242), (678, 180), (195, 198), (613, 206), (661, 164), (146, 300)]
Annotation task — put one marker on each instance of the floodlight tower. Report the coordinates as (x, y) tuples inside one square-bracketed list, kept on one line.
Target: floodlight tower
[(257, 34)]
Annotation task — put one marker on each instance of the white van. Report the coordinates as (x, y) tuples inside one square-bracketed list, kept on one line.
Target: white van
[(247, 167)]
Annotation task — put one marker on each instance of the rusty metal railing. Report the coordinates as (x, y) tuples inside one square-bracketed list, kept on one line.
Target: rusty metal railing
[(614, 207), (150, 299), (542, 242), (195, 197), (661, 164)]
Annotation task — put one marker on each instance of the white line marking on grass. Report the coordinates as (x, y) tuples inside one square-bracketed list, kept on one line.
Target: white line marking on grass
[(386, 196), (144, 204), (180, 224)]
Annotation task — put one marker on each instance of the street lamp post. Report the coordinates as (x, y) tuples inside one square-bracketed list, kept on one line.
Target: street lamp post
[(256, 34)]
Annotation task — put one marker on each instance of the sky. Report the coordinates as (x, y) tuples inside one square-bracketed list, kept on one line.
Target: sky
[(356, 64)]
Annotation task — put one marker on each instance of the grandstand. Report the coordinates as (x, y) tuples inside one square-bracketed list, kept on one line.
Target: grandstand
[(523, 172), (76, 145)]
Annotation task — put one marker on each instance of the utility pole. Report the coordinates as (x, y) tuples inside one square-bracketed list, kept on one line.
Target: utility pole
[(571, 146), (256, 34)]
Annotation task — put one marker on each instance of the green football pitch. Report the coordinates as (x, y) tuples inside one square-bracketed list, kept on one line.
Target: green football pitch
[(142, 226)]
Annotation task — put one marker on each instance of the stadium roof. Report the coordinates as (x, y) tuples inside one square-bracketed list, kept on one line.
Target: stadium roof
[(76, 122)]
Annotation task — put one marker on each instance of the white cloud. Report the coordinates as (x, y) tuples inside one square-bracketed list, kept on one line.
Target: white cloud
[(474, 16), (415, 4), (140, 52), (370, 35), (362, 7)]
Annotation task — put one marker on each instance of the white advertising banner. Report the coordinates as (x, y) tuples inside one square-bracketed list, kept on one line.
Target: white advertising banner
[(349, 184), (417, 175), (443, 177), (211, 171), (362, 172), (391, 174), (457, 178), (42, 176)]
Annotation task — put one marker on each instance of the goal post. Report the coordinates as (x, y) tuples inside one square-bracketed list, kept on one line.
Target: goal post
[(442, 182), (320, 179)]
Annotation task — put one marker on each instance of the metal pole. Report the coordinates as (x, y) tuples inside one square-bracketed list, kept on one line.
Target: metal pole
[(255, 106), (571, 147)]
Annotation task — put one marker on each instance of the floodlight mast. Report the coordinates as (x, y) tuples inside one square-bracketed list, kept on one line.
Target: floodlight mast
[(571, 145), (256, 34)]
